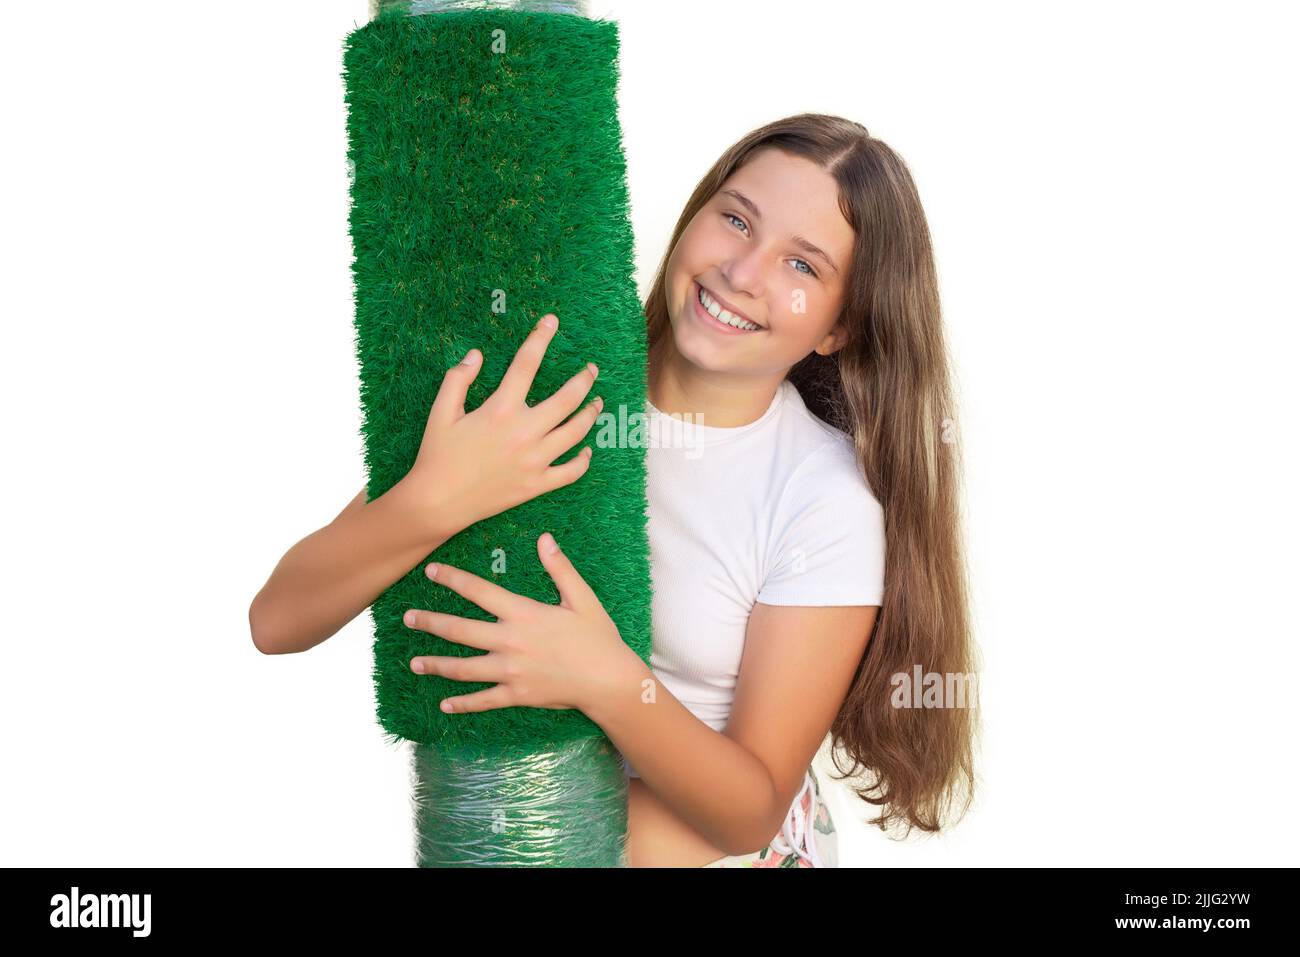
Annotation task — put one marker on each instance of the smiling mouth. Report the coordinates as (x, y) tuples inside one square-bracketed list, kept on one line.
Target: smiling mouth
[(714, 311)]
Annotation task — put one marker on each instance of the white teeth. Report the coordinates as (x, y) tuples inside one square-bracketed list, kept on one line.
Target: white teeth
[(717, 312)]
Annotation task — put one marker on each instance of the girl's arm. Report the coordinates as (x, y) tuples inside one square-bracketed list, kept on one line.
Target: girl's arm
[(336, 572), (734, 789), (470, 466)]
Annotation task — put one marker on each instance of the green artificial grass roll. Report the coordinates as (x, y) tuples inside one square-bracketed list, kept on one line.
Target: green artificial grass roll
[(488, 189)]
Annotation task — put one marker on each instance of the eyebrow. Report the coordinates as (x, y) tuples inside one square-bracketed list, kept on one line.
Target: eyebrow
[(799, 241)]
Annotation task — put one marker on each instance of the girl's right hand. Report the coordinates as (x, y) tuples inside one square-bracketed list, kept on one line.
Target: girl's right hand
[(472, 466)]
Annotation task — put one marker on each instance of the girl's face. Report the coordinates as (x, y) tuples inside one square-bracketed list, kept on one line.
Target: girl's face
[(749, 249)]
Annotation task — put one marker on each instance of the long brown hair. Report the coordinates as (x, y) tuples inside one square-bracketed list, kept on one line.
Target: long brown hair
[(889, 388)]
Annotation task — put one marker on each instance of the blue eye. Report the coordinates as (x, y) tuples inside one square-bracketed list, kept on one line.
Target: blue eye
[(730, 216)]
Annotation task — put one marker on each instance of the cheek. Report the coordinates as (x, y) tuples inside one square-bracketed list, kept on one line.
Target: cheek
[(805, 304), (676, 278), (687, 252), (805, 315), (684, 261)]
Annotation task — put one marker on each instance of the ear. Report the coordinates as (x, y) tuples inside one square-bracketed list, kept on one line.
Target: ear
[(834, 340)]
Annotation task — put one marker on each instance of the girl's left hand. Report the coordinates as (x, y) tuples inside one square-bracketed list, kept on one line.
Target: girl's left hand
[(540, 655)]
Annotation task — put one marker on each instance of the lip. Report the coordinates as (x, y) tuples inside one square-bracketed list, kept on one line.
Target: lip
[(714, 324)]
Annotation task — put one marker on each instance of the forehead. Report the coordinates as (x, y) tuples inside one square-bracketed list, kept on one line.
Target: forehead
[(795, 197)]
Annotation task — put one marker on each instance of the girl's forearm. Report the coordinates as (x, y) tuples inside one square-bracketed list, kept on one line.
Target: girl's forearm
[(335, 573), (713, 783)]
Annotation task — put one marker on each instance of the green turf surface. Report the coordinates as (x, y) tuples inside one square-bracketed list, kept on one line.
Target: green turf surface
[(480, 170)]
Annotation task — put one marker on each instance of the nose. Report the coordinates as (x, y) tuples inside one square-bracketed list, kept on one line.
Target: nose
[(744, 275)]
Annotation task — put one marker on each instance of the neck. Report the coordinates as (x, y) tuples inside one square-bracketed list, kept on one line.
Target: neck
[(724, 401)]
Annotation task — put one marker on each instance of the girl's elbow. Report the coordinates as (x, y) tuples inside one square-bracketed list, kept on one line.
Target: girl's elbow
[(760, 835), (750, 845), (746, 841), (264, 639)]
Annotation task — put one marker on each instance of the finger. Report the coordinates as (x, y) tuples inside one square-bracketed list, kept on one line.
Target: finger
[(493, 599), (498, 697), (463, 631), (567, 397), (474, 668), (566, 473), (560, 440), (575, 593), (449, 404), (523, 368)]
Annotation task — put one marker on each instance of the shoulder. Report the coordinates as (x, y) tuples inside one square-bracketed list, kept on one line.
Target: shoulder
[(805, 434), (824, 461), (815, 472), (830, 479), (828, 534)]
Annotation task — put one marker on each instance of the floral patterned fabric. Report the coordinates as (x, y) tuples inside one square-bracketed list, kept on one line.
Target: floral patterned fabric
[(807, 839)]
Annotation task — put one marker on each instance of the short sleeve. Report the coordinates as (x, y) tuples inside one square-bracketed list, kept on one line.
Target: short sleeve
[(828, 536)]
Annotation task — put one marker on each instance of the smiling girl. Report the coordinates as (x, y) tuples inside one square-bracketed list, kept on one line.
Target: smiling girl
[(805, 546), (809, 551)]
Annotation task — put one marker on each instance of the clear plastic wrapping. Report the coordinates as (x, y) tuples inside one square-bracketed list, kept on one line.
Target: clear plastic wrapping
[(512, 807)]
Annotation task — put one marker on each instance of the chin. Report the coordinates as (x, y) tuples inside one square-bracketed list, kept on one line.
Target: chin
[(703, 358)]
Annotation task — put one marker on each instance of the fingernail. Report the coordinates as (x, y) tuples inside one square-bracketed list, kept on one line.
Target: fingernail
[(549, 321), (417, 666), (591, 367), (548, 543), (409, 618), (599, 403), (471, 358), (432, 570)]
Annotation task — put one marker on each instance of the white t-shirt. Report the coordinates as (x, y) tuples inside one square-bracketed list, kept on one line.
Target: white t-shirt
[(775, 511)]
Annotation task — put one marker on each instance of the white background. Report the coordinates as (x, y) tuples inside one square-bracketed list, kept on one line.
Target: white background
[(1111, 189)]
